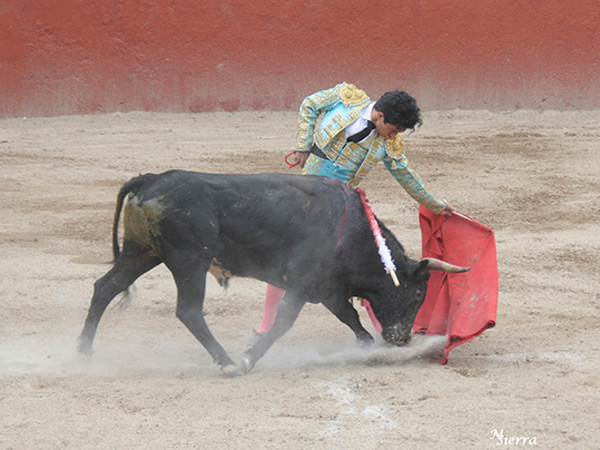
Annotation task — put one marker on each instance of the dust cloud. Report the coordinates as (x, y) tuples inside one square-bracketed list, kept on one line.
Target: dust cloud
[(57, 354)]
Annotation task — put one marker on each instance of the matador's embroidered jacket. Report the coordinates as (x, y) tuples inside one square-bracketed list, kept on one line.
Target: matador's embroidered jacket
[(350, 162)]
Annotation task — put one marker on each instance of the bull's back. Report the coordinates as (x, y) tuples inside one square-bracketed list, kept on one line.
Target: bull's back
[(254, 206), (252, 221), (268, 198)]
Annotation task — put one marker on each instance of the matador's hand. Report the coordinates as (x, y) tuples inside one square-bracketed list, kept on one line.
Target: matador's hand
[(448, 210), (301, 157)]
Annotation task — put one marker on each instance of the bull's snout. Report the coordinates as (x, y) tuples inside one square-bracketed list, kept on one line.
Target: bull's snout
[(397, 335)]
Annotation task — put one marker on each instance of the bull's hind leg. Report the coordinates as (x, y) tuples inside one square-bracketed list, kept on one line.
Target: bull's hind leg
[(130, 265), (191, 287)]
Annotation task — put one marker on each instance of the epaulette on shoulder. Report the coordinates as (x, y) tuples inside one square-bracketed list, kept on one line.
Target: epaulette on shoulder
[(350, 95), (395, 147)]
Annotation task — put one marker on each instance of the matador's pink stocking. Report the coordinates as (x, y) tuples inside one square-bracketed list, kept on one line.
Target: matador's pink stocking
[(371, 314), (274, 294)]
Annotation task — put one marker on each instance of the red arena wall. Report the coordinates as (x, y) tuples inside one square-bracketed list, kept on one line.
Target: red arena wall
[(84, 56)]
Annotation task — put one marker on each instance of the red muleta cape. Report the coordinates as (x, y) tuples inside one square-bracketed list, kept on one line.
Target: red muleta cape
[(462, 305)]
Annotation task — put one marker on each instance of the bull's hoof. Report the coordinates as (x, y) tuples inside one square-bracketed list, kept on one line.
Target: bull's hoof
[(247, 364), (365, 340), (84, 346), (231, 370)]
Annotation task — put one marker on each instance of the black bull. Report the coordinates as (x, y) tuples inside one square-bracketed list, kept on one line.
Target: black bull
[(308, 235)]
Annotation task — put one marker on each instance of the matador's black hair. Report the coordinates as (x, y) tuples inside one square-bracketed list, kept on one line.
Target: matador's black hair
[(399, 109)]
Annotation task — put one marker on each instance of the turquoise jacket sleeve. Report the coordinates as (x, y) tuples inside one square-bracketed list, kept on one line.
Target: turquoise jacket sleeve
[(413, 185)]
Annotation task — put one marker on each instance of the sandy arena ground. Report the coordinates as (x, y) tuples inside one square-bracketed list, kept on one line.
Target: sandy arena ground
[(532, 176)]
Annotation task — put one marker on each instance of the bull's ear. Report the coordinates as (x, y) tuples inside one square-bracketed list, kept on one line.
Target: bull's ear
[(419, 268)]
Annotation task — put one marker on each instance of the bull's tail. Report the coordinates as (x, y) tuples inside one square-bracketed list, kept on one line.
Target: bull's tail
[(132, 186)]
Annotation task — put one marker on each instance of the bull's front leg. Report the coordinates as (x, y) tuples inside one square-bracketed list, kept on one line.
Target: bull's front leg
[(288, 309), (190, 298), (345, 312)]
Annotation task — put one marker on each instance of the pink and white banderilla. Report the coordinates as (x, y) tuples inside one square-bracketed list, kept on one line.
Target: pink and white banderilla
[(382, 248)]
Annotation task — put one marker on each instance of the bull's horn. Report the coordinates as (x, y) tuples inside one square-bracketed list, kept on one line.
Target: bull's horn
[(437, 264)]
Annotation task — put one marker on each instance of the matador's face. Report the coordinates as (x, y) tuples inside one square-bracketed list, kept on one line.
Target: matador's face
[(386, 130)]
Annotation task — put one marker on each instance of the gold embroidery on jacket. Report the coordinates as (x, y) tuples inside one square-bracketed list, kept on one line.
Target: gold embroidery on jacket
[(368, 163), (395, 147), (350, 95)]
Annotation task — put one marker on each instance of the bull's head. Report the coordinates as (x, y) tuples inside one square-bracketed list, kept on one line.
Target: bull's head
[(397, 316)]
